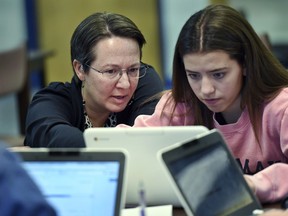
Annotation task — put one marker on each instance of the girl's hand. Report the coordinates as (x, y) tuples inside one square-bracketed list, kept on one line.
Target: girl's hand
[(250, 183), (275, 212)]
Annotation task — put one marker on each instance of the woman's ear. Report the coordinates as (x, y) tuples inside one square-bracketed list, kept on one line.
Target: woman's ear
[(78, 68)]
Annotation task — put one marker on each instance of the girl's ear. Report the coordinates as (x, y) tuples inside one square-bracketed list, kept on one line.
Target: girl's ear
[(244, 71), (78, 68)]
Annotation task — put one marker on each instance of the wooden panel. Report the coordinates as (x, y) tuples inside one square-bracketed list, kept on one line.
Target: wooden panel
[(58, 19), (219, 2)]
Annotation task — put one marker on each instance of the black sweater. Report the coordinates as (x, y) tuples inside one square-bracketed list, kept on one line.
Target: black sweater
[(55, 116)]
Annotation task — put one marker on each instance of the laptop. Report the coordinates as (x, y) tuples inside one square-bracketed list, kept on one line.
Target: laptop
[(79, 182), (207, 178), (143, 171)]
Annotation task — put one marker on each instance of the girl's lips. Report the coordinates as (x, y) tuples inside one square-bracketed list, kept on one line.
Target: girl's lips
[(211, 102)]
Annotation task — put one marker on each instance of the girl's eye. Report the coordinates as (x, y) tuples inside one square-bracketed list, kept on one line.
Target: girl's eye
[(194, 76), (218, 75)]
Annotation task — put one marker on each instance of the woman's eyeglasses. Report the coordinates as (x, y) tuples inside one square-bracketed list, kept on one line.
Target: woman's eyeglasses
[(133, 72)]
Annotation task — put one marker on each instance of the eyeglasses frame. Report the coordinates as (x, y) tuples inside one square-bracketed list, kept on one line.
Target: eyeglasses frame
[(121, 71)]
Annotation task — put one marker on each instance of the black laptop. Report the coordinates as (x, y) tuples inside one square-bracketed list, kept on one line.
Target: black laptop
[(206, 177), (79, 182)]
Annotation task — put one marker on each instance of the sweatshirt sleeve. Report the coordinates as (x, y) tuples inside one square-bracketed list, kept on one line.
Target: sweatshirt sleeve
[(271, 183), (165, 114), (155, 119)]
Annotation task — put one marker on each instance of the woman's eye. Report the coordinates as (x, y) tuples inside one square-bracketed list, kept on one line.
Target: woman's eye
[(133, 70), (111, 71)]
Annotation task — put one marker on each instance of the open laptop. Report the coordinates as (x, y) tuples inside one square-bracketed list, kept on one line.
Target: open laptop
[(207, 178), (79, 182), (144, 170)]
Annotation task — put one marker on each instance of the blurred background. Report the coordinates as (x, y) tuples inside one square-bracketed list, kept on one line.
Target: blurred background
[(47, 26)]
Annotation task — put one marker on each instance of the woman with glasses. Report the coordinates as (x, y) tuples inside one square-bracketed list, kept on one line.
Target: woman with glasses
[(110, 85)]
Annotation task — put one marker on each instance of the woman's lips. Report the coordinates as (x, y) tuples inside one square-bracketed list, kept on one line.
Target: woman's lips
[(120, 99)]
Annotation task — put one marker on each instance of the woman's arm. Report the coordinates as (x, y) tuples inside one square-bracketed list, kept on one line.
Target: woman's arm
[(54, 118)]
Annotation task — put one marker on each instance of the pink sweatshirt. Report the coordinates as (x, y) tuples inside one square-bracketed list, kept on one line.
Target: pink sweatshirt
[(267, 165)]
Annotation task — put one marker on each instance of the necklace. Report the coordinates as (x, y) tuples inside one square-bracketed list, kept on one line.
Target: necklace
[(110, 122)]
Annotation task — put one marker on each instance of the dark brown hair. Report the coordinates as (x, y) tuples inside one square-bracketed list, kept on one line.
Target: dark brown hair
[(96, 27), (222, 28)]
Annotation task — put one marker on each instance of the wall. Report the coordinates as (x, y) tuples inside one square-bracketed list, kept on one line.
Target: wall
[(265, 16), (12, 34), (58, 19), (173, 17)]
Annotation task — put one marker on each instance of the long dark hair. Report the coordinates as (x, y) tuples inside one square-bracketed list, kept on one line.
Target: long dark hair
[(220, 27)]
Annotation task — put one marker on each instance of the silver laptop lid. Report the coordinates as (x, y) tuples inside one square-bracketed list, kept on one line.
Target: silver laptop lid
[(142, 144)]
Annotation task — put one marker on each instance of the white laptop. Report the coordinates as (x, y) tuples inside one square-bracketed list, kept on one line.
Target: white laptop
[(79, 182), (142, 144), (207, 178)]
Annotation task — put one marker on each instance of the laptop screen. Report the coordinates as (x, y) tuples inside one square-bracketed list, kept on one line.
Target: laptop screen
[(69, 185), (78, 187), (211, 190), (208, 178)]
